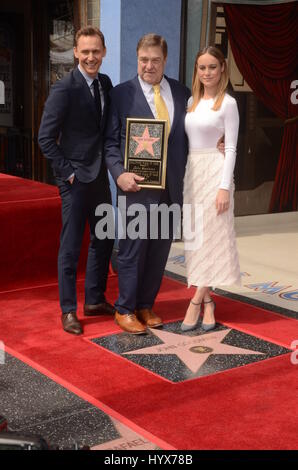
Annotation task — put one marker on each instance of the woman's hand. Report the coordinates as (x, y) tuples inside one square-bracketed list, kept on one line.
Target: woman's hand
[(221, 145), (222, 201)]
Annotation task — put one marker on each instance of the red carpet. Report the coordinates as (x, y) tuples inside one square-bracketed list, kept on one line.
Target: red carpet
[(249, 407), (30, 226)]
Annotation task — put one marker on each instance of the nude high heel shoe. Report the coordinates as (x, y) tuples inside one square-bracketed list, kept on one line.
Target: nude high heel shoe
[(192, 326), (208, 326)]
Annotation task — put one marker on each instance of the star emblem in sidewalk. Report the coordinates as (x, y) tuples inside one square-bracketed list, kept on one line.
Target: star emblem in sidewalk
[(145, 142), (128, 440), (193, 351)]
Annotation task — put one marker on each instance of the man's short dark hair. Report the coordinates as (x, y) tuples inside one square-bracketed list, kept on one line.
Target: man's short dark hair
[(153, 40), (89, 31)]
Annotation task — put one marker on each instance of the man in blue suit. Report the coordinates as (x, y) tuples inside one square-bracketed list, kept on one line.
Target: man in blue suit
[(71, 136), (141, 262)]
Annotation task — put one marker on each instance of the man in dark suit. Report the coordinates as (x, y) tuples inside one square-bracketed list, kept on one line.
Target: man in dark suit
[(141, 262), (71, 136)]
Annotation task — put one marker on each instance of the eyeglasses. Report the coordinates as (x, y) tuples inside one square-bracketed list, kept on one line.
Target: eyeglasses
[(145, 61)]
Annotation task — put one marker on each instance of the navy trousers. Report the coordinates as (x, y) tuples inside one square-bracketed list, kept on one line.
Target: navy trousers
[(141, 264), (79, 201)]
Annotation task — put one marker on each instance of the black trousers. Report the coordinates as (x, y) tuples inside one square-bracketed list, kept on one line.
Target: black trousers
[(79, 201)]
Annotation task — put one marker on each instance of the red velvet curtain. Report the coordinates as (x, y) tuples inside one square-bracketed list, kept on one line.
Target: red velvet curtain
[(264, 41)]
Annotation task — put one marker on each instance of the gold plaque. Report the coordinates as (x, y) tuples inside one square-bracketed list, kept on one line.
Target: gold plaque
[(146, 150)]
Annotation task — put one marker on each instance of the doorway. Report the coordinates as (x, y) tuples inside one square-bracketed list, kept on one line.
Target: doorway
[(36, 40), (260, 133)]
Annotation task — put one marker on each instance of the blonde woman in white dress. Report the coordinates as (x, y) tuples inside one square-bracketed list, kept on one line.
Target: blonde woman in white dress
[(208, 183)]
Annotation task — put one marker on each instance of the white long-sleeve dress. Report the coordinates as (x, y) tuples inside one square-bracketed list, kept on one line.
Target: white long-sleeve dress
[(209, 239)]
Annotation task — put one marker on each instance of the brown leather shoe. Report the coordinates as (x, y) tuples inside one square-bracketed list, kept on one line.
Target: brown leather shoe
[(129, 322), (148, 317), (71, 324), (99, 309)]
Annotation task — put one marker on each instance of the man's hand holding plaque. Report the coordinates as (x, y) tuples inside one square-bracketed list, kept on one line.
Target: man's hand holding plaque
[(128, 182)]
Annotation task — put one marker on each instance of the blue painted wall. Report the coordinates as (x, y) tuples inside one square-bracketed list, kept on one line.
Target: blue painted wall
[(123, 23), (110, 25), (139, 17)]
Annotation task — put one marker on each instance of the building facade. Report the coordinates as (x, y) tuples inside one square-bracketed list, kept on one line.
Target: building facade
[(36, 41)]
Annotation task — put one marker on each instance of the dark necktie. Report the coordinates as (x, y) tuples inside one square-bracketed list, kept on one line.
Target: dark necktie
[(97, 98)]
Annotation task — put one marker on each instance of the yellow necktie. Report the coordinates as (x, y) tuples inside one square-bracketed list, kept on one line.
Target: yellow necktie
[(160, 106)]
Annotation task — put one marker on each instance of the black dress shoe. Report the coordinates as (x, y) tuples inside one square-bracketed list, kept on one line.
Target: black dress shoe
[(71, 324), (99, 309)]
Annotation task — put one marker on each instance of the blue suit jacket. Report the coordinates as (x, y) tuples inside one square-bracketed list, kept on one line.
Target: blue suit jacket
[(128, 100), (69, 134)]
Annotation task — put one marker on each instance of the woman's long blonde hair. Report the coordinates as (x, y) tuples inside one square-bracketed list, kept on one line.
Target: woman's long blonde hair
[(198, 87)]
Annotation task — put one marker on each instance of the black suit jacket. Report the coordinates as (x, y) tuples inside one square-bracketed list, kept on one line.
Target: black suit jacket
[(128, 100), (69, 134)]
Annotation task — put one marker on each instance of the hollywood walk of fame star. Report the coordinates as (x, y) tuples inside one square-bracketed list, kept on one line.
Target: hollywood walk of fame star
[(193, 350), (145, 142), (128, 440)]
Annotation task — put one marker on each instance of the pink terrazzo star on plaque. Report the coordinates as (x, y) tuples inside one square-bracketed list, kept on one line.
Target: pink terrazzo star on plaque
[(145, 142), (193, 350)]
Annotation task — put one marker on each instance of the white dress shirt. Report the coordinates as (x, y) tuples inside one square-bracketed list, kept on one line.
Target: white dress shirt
[(89, 81), (166, 93)]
